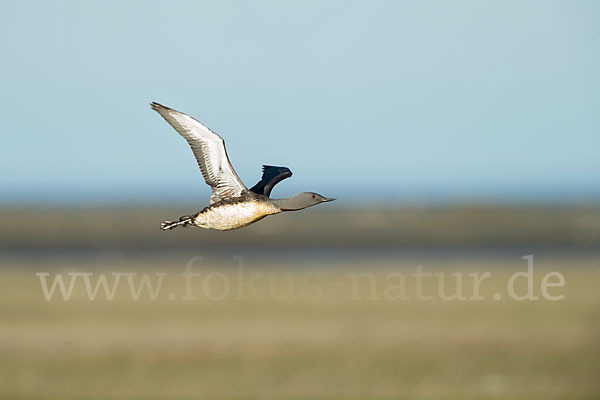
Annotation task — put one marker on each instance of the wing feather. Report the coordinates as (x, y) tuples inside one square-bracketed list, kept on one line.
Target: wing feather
[(210, 153), (271, 176)]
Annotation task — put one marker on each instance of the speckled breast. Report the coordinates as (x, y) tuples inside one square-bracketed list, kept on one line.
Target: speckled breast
[(233, 216)]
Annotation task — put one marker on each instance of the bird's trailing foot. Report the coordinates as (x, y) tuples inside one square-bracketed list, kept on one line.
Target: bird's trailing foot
[(183, 221)]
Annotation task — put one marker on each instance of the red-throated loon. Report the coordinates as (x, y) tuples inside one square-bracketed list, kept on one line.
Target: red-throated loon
[(231, 205)]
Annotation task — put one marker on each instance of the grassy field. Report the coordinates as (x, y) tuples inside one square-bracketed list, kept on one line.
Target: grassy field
[(331, 340)]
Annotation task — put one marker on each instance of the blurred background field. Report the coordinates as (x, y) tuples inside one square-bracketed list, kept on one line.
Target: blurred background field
[(86, 228), (339, 344), (332, 346), (458, 136)]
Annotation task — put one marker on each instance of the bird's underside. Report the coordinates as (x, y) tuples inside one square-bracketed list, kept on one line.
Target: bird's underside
[(227, 215)]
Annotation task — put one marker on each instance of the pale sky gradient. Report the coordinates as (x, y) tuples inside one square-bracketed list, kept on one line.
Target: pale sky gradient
[(390, 100)]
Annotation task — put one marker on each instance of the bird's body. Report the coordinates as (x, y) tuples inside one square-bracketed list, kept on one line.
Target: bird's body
[(234, 215), (232, 205)]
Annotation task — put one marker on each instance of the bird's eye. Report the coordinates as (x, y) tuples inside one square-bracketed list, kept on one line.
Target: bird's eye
[(313, 196)]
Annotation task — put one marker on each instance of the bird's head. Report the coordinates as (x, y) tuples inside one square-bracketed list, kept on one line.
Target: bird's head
[(303, 200), (313, 199)]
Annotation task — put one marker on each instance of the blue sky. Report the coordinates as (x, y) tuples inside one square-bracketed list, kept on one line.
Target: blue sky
[(394, 101)]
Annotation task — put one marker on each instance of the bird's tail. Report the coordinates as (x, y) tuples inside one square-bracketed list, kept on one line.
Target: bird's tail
[(186, 220)]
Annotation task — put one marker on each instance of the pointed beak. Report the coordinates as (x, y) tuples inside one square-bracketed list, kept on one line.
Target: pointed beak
[(328, 199)]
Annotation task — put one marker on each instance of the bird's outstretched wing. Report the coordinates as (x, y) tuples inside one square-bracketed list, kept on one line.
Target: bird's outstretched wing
[(209, 149), (271, 176)]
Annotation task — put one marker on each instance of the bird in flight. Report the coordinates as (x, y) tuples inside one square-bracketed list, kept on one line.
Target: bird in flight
[(232, 205)]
